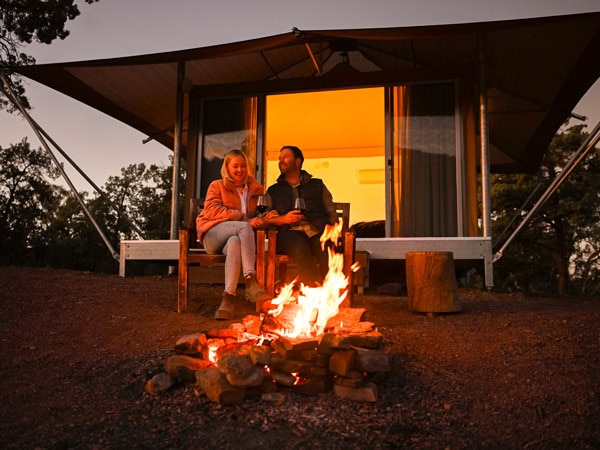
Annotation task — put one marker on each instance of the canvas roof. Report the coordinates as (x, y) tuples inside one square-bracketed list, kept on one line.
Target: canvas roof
[(536, 72)]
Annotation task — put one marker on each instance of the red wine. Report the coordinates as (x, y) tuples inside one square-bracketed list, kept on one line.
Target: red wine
[(261, 208)]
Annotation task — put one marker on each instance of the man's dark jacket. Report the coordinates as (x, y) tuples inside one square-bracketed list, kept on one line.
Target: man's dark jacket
[(311, 189)]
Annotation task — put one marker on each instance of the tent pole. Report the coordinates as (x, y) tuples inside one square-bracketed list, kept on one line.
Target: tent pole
[(485, 164), (11, 95), (586, 146), (138, 231), (177, 154)]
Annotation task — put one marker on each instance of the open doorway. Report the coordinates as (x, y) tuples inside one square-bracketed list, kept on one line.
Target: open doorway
[(342, 136)]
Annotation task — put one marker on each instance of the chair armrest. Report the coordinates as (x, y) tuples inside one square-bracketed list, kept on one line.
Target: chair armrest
[(261, 260)]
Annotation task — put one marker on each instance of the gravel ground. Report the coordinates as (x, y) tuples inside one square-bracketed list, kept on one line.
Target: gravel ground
[(77, 349)]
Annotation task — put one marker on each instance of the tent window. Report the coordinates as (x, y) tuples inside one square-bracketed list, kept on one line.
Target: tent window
[(226, 124), (424, 161)]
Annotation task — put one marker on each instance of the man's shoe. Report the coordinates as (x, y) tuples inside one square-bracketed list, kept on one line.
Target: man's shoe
[(255, 292), (226, 309)]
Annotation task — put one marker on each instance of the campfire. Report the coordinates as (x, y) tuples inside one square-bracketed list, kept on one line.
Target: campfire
[(303, 342)]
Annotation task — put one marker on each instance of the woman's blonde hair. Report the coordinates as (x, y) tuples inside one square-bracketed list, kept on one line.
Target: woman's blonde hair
[(228, 157)]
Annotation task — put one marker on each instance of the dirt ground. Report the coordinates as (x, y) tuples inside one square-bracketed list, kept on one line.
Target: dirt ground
[(506, 372)]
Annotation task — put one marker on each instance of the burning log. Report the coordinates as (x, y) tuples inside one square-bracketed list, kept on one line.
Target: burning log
[(290, 348), (331, 341), (346, 317), (223, 333), (304, 343), (231, 373), (252, 324)]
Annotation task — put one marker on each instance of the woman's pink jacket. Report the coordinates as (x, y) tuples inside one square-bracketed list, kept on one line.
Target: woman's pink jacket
[(223, 203)]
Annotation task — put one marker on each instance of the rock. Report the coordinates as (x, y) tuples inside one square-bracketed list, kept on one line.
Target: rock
[(260, 355), (239, 369), (283, 378), (332, 341), (223, 333), (314, 386), (252, 324), (274, 398), (159, 383), (217, 388), (366, 393), (371, 360), (190, 344), (342, 361), (183, 368)]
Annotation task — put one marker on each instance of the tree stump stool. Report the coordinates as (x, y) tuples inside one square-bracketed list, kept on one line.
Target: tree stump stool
[(431, 282)]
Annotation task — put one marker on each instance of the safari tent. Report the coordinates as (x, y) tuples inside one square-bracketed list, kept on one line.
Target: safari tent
[(406, 124)]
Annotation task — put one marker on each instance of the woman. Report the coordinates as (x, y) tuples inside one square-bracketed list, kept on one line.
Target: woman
[(226, 224)]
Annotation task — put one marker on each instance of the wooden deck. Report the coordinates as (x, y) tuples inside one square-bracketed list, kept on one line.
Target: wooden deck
[(466, 248)]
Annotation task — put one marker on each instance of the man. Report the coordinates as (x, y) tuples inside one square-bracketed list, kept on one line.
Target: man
[(299, 233)]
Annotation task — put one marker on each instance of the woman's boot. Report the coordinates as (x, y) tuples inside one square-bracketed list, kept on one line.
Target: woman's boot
[(226, 308), (254, 291)]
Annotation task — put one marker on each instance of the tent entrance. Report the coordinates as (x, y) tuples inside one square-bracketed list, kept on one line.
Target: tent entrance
[(342, 136)]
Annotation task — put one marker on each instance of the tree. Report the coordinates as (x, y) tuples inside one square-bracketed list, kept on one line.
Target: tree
[(143, 194), (140, 194), (23, 21), (559, 246), (43, 224), (28, 200)]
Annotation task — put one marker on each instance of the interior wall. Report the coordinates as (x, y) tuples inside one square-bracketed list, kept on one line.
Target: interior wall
[(341, 134)]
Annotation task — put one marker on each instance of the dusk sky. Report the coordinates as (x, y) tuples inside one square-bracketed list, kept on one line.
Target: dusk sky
[(112, 28)]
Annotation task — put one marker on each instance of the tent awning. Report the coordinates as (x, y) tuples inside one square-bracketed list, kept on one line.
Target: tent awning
[(536, 72)]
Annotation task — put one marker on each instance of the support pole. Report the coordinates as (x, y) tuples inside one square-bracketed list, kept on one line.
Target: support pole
[(177, 151), (15, 100), (585, 147), (486, 200), (135, 228), (177, 154)]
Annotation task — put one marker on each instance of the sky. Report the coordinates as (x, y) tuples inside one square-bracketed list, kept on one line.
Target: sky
[(101, 145)]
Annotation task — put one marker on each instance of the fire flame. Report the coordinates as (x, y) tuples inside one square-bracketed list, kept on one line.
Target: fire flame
[(316, 304), (213, 346)]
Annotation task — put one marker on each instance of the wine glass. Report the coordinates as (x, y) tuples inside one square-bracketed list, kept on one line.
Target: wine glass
[(262, 206), (300, 205)]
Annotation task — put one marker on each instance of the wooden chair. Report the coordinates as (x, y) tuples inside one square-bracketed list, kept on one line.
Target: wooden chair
[(274, 260), (191, 252)]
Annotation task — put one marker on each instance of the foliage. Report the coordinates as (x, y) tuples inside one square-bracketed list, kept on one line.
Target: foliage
[(23, 21), (27, 200), (44, 224), (558, 251), (140, 197)]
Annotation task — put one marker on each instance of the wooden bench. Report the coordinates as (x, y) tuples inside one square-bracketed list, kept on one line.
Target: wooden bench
[(192, 253), (166, 250)]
